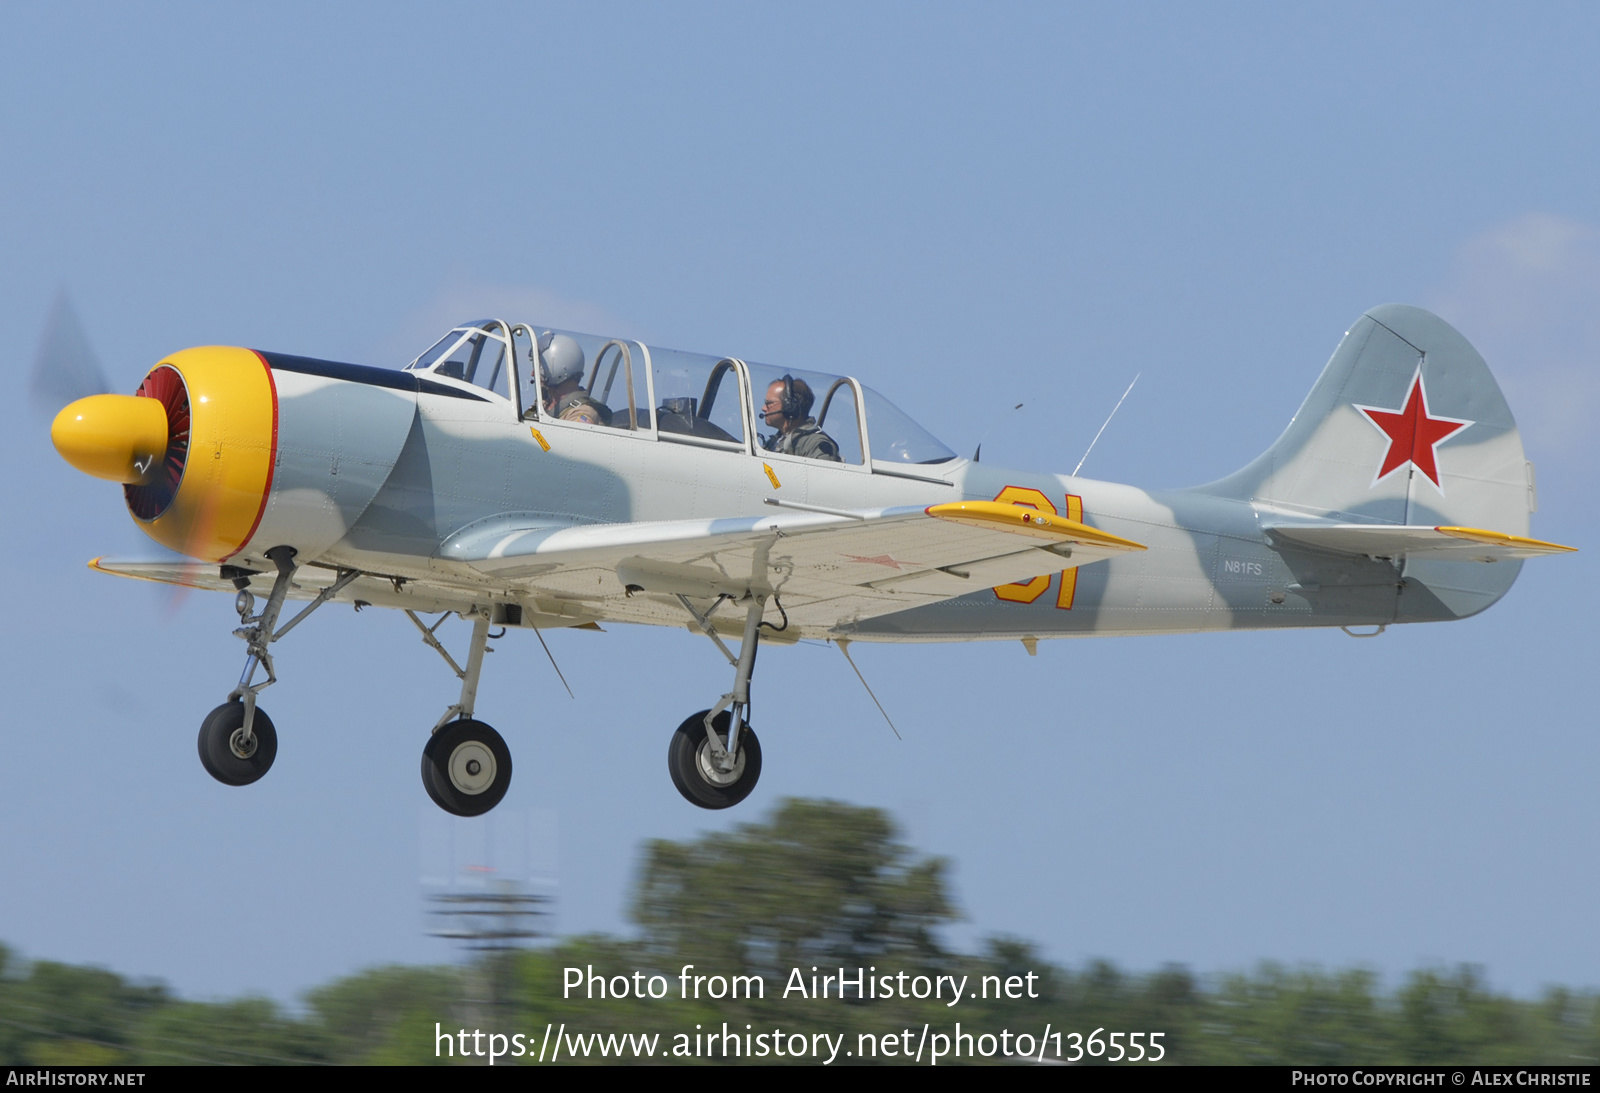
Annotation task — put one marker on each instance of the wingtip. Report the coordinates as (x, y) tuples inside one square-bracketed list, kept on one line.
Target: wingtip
[(1021, 518), (1500, 538)]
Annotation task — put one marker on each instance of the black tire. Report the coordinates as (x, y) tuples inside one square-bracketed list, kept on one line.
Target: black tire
[(219, 758), (688, 760), (466, 768)]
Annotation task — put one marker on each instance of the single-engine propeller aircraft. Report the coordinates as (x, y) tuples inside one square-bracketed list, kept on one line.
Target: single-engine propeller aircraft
[(520, 476)]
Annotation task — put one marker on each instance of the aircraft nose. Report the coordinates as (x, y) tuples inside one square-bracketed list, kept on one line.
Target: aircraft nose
[(121, 438)]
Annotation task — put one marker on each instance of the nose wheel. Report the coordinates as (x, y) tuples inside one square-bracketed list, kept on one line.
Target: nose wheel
[(230, 754), (237, 740), (466, 768)]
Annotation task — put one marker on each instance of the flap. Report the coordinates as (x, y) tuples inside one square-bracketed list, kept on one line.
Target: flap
[(845, 564)]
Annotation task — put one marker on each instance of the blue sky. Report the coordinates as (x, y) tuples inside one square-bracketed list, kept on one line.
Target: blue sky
[(967, 207)]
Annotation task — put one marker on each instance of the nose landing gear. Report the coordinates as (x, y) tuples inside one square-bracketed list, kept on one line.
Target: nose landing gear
[(237, 740)]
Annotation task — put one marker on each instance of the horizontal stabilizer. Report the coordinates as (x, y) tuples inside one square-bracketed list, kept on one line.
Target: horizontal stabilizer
[(1455, 544)]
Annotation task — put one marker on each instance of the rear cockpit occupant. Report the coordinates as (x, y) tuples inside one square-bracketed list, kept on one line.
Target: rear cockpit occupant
[(788, 410)]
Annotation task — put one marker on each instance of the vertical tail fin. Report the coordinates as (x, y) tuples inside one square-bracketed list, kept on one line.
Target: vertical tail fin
[(1405, 426)]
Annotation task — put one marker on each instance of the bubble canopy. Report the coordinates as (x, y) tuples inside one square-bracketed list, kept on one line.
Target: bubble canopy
[(671, 395)]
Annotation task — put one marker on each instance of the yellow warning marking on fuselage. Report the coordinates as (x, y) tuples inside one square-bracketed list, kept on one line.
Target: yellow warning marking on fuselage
[(771, 477), (537, 435)]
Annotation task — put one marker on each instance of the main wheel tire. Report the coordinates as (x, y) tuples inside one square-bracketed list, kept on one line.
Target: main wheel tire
[(695, 774), (466, 768), (223, 751)]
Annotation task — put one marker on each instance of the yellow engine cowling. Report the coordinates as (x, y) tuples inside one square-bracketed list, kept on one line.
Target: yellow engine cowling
[(205, 494)]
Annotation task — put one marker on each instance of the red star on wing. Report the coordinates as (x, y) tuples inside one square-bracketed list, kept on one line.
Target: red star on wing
[(1414, 433)]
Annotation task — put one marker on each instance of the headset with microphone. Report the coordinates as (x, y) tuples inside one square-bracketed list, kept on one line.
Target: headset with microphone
[(790, 403)]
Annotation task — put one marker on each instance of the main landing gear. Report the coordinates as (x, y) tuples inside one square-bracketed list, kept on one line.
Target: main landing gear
[(466, 766), (714, 757)]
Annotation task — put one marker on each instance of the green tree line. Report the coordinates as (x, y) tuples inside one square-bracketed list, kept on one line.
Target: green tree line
[(818, 885)]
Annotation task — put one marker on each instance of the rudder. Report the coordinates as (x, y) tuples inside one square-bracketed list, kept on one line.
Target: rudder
[(1406, 425)]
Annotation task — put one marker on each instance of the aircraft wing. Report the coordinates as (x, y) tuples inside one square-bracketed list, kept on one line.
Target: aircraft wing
[(1446, 544), (827, 567), (309, 582)]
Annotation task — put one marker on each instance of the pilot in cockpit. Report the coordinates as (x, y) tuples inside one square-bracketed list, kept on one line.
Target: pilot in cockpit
[(561, 374), (788, 409)]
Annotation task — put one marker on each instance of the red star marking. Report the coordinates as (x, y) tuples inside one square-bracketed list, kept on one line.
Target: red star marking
[(877, 559), (1414, 434)]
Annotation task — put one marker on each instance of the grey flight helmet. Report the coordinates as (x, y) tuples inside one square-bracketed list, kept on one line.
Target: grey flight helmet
[(560, 359)]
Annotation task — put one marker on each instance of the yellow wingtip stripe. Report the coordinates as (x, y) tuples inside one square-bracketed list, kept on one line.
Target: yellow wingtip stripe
[(94, 564), (1500, 538), (1028, 521)]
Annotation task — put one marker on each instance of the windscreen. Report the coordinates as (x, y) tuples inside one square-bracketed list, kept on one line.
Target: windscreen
[(898, 439)]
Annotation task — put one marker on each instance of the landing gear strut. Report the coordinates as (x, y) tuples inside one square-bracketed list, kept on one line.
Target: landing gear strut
[(237, 740), (714, 757), (466, 766)]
